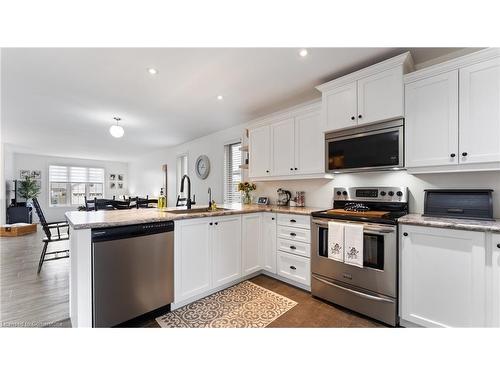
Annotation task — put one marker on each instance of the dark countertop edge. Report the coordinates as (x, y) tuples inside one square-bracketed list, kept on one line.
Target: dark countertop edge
[(177, 217), (450, 223)]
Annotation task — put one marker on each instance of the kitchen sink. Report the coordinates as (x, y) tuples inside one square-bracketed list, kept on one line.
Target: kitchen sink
[(197, 210)]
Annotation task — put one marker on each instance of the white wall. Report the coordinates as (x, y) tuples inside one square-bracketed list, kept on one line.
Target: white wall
[(42, 162), (146, 176)]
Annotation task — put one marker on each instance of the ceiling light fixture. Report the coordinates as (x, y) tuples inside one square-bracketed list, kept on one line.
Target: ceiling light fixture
[(116, 130), (303, 53), (152, 71), (220, 97)]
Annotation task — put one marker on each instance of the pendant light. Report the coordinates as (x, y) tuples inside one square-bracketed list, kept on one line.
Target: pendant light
[(117, 130)]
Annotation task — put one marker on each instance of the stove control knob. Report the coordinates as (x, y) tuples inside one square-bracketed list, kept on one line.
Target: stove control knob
[(344, 192), (382, 193), (399, 193), (391, 193), (339, 192)]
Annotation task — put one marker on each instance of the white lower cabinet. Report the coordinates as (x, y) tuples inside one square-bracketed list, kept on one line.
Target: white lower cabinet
[(443, 277), (495, 280), (226, 245), (251, 243), (269, 242), (294, 267), (192, 258)]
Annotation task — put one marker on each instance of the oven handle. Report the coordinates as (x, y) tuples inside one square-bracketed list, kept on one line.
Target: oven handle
[(369, 229), (367, 296)]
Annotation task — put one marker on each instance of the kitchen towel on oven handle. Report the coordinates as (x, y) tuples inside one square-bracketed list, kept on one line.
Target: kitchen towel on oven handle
[(353, 244), (336, 241)]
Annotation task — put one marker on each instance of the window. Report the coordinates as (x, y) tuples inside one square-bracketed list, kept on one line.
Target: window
[(232, 172), (69, 186)]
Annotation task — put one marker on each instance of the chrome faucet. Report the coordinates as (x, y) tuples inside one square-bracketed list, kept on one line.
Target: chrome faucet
[(189, 202), (209, 198)]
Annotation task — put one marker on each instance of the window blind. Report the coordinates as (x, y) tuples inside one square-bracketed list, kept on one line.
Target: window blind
[(58, 173), (232, 172)]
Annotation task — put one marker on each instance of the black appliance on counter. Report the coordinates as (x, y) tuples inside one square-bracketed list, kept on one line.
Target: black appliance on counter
[(474, 204)]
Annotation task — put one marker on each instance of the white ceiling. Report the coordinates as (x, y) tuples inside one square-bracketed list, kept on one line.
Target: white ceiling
[(62, 101)]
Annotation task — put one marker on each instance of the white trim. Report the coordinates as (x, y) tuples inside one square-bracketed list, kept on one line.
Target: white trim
[(311, 176), (310, 106), (459, 62), (404, 59)]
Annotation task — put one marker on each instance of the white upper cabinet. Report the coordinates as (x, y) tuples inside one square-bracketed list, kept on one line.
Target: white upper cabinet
[(226, 249), (480, 112), (432, 121), (259, 141), (370, 95), (288, 145), (283, 142), (453, 115), (340, 107), (381, 96), (309, 144)]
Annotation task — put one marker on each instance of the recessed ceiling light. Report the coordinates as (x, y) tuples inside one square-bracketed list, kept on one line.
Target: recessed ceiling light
[(303, 53), (152, 71), (220, 97)]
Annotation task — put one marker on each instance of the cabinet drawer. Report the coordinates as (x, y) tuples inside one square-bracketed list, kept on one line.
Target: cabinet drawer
[(294, 234), (298, 221), (294, 267), (294, 247)]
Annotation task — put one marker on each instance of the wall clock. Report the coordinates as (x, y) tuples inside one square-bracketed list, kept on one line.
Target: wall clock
[(202, 166)]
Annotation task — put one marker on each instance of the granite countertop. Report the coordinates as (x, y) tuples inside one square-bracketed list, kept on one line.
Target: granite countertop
[(451, 223), (102, 219)]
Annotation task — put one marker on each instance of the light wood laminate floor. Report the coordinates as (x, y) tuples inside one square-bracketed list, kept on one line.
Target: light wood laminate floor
[(28, 299)]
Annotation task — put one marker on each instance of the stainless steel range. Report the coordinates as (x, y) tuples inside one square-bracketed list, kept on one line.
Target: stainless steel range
[(371, 290)]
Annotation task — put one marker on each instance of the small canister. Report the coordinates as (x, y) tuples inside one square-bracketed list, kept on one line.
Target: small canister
[(301, 199)]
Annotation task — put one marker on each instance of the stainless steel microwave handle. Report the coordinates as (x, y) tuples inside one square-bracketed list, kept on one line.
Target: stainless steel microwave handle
[(367, 296)]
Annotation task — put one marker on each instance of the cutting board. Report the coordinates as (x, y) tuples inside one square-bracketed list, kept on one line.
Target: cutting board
[(341, 211)]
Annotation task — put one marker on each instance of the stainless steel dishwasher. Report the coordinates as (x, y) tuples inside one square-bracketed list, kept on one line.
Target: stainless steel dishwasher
[(132, 271)]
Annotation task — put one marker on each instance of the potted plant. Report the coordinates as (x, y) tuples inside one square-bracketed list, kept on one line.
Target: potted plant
[(29, 188), (246, 188)]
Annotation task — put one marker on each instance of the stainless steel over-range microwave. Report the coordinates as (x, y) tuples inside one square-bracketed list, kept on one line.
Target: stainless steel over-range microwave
[(366, 148)]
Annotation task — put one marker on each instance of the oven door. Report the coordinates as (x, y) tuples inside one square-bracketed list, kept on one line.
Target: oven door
[(379, 272), (369, 148)]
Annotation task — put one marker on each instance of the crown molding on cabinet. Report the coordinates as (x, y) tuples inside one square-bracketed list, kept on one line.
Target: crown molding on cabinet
[(300, 109), (405, 59), (459, 62)]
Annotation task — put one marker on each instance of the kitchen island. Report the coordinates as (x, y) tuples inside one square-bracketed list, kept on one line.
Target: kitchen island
[(239, 224)]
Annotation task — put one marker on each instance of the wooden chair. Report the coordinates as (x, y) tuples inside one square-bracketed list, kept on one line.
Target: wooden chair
[(145, 203), (50, 237), (99, 204), (121, 204)]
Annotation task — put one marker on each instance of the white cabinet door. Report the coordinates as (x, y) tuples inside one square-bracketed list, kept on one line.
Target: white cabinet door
[(283, 147), (251, 243), (259, 143), (309, 144), (495, 281), (339, 107), (226, 249), (381, 96), (432, 121), (443, 277), (269, 242), (193, 258), (480, 112)]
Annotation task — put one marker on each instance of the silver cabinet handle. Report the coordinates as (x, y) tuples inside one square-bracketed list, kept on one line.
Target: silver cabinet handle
[(367, 296)]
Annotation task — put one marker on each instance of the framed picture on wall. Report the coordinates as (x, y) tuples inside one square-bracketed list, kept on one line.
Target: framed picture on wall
[(23, 173), (112, 177), (37, 174), (112, 185), (120, 177), (120, 185)]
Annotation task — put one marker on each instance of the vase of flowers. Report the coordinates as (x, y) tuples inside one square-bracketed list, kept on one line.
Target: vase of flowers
[(246, 188)]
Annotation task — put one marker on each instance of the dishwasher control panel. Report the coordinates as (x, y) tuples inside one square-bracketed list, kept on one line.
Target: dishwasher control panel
[(126, 231)]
